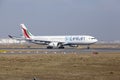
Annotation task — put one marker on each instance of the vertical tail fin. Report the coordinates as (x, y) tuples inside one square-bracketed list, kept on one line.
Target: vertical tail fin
[(25, 32)]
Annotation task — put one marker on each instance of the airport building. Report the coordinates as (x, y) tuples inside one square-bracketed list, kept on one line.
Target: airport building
[(11, 41)]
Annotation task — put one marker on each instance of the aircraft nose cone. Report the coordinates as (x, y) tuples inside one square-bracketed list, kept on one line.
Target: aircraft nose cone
[(96, 40)]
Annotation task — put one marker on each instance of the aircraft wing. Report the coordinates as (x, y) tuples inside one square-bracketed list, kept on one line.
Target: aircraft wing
[(38, 41), (14, 37)]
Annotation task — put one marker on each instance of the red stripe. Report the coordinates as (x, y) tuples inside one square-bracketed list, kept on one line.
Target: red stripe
[(25, 33)]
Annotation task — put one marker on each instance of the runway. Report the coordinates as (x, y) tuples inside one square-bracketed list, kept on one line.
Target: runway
[(47, 51)]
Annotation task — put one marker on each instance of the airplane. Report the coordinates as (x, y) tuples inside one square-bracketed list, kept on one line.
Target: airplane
[(58, 41)]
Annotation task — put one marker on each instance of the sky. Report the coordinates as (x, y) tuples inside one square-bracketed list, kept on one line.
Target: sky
[(98, 18)]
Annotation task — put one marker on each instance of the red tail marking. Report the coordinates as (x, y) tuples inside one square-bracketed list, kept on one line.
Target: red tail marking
[(25, 33)]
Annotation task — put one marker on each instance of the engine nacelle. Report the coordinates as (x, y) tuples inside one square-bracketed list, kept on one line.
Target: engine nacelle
[(53, 44)]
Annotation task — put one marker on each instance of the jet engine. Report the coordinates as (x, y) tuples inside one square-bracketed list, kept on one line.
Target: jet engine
[(54, 44)]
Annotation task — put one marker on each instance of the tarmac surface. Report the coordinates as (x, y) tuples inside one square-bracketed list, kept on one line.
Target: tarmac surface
[(66, 50)]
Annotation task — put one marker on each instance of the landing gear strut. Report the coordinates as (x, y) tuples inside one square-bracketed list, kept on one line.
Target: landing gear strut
[(60, 46)]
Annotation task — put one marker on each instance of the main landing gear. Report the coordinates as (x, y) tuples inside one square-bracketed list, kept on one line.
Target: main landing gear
[(62, 47), (50, 47), (88, 47)]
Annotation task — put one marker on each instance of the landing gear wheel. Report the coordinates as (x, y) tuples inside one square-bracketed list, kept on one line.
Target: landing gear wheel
[(49, 47), (88, 47), (61, 47)]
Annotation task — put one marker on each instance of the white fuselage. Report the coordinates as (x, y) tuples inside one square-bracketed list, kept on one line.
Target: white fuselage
[(66, 40)]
